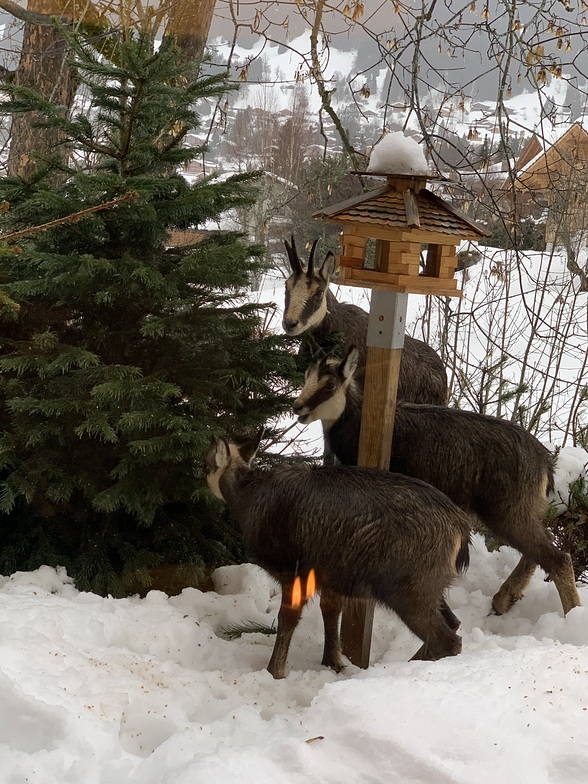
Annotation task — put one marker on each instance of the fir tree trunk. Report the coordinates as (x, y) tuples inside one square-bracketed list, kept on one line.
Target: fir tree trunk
[(42, 66)]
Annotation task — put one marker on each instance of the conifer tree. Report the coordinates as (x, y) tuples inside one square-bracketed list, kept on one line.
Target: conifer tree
[(119, 355)]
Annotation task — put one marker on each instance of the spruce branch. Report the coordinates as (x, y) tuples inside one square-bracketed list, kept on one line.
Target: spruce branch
[(131, 196)]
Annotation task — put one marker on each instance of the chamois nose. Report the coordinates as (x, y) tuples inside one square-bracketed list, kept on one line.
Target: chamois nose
[(297, 407), (289, 324)]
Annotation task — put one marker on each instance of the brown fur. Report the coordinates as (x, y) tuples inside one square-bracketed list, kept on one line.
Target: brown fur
[(368, 534)]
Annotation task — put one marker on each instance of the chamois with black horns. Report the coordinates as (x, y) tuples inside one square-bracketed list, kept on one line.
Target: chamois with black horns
[(310, 306), (493, 469), (366, 534)]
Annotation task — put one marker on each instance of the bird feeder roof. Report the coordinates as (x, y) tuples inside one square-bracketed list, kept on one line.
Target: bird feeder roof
[(404, 203)]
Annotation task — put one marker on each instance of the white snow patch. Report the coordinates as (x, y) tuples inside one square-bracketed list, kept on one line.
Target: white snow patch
[(396, 153)]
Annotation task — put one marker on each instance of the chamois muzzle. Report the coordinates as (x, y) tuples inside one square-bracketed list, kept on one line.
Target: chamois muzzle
[(289, 325), (301, 411)]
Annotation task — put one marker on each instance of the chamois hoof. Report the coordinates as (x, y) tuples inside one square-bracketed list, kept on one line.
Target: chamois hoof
[(501, 603), (276, 672), (337, 665)]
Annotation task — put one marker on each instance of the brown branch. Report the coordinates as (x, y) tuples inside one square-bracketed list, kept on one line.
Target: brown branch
[(32, 16), (131, 196)]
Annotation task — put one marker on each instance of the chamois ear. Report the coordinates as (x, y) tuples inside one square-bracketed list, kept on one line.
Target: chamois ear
[(249, 449), (217, 456), (349, 364), (328, 266)]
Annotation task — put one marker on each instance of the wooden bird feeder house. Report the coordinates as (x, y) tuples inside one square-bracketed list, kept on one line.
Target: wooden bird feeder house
[(416, 234)]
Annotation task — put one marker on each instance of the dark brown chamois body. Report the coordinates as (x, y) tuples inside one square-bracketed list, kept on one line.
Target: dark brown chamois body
[(491, 468), (367, 534), (310, 307)]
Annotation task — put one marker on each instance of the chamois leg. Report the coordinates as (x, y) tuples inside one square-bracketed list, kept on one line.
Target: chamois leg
[(450, 619), (537, 548), (513, 587), (563, 576), (438, 640), (429, 624), (288, 618), (331, 606)]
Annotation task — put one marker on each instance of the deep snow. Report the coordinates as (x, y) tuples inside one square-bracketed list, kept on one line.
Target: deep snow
[(147, 691)]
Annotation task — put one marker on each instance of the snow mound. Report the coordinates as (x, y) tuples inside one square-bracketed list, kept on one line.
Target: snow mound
[(396, 153)]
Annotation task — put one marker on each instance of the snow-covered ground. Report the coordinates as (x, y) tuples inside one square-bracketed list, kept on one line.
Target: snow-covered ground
[(148, 691)]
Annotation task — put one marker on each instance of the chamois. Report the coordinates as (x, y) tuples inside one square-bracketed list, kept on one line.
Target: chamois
[(310, 306), (491, 468), (367, 534)]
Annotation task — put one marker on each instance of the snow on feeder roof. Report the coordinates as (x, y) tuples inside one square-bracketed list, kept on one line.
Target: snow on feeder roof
[(398, 154), (402, 216)]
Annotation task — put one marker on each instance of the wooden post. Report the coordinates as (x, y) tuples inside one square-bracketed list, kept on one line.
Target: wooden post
[(385, 339)]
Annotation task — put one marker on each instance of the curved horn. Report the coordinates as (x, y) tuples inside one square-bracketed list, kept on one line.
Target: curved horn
[(310, 268), (295, 262)]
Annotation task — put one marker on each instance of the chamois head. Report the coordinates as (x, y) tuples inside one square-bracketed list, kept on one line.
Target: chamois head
[(325, 387), (306, 290), (224, 457)]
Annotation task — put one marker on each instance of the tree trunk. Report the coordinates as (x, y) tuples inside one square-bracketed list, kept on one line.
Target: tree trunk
[(189, 24), (42, 66)]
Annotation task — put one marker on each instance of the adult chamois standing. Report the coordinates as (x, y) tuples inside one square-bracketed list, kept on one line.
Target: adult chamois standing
[(310, 306), (490, 467), (367, 534)]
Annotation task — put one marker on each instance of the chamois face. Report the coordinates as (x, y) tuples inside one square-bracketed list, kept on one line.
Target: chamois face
[(224, 457), (305, 303), (325, 388)]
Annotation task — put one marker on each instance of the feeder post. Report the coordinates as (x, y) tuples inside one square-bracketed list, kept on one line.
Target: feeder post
[(385, 339)]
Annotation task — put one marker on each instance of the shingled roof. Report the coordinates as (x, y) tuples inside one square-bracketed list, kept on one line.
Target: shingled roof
[(403, 203)]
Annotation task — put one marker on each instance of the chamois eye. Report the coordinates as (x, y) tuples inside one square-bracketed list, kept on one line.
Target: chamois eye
[(330, 386)]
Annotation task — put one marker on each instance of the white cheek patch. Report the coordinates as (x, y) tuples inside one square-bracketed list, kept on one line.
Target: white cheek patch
[(331, 409), (318, 315), (213, 480)]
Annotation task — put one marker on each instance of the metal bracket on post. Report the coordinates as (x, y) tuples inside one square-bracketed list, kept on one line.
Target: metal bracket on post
[(387, 319)]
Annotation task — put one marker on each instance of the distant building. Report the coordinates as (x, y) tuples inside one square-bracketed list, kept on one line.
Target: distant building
[(552, 180)]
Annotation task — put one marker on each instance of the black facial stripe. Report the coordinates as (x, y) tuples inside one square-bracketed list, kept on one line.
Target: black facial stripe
[(321, 395), (310, 306)]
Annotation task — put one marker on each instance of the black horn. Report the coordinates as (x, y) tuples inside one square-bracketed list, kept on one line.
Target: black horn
[(310, 268), (295, 262)]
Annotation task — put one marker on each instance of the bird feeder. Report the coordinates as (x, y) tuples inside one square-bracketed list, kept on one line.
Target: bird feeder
[(416, 234)]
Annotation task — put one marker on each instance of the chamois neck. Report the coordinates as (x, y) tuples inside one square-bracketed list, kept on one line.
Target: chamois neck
[(230, 484), (343, 435)]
